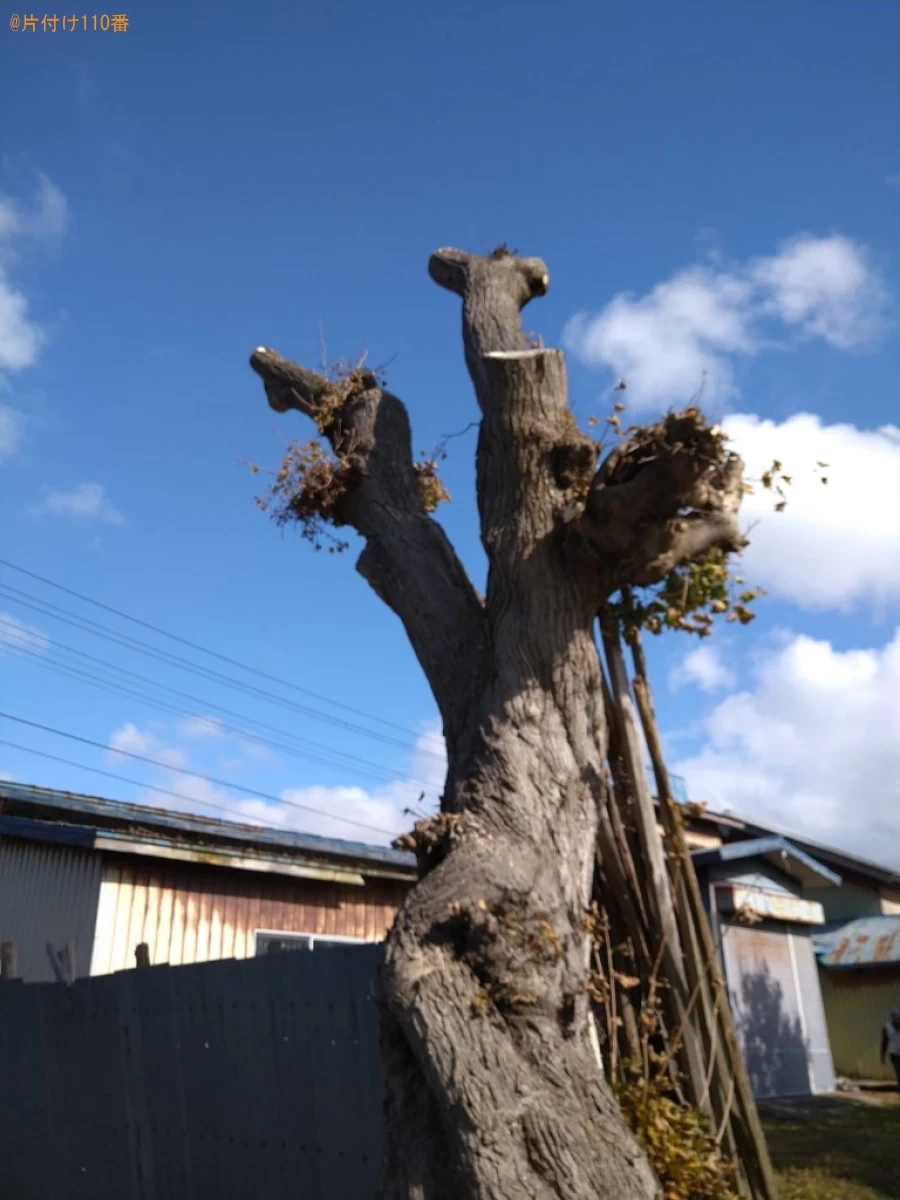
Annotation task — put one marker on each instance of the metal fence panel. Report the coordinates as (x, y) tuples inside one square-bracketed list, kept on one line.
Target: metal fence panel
[(48, 893), (226, 1080)]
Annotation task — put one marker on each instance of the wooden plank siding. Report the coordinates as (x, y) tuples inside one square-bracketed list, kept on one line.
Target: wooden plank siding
[(188, 913)]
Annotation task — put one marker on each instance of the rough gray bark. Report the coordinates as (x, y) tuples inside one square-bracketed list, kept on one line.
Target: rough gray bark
[(492, 1088)]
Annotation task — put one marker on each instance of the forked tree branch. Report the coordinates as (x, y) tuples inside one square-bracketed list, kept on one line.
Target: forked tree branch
[(532, 459), (407, 559), (494, 290)]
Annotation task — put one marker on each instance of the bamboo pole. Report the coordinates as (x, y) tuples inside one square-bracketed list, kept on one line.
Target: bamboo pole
[(660, 892), (716, 1092), (669, 964), (743, 1118)]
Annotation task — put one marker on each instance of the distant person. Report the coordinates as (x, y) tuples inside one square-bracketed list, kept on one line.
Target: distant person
[(890, 1042)]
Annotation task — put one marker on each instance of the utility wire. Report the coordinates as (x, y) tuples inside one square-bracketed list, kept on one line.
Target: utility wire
[(233, 662), (69, 762), (155, 762), (45, 608), (340, 760), (71, 672)]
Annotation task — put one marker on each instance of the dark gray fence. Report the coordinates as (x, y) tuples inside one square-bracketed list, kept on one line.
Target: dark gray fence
[(223, 1081)]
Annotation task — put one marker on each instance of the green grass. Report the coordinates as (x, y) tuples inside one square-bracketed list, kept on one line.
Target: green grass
[(835, 1148)]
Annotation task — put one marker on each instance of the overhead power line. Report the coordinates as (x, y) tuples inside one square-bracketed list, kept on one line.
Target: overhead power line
[(69, 762), (25, 645), (155, 762), (54, 612), (233, 662)]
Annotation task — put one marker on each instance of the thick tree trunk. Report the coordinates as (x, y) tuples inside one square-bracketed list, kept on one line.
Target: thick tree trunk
[(484, 977), (486, 963), (493, 1091)]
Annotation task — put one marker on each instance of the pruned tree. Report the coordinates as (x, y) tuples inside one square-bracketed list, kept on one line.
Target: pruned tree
[(492, 1087)]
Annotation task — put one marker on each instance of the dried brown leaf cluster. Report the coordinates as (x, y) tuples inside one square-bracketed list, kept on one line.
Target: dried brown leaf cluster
[(308, 489)]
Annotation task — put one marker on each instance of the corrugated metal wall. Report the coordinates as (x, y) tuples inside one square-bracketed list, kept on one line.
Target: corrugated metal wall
[(48, 893), (220, 1081), (857, 1004), (188, 913)]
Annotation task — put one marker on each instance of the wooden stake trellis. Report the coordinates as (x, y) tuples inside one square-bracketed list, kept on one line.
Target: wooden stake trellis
[(658, 985)]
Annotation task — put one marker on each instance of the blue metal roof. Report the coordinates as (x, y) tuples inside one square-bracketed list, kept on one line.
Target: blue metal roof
[(24, 829), (20, 800), (779, 852), (865, 942)]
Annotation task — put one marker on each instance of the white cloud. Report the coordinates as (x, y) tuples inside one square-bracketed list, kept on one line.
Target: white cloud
[(255, 752), (45, 219), (12, 429), (814, 747), (687, 331), (84, 502), (668, 343), (826, 287), (705, 668), (16, 635), (200, 727), (381, 812), (346, 812), (129, 739), (195, 795), (132, 739), (20, 338), (836, 544)]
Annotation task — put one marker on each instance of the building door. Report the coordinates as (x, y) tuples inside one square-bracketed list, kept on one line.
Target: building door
[(764, 989)]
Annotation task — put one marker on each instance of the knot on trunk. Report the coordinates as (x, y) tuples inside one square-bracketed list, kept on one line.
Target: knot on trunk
[(513, 950), (432, 839), (573, 461)]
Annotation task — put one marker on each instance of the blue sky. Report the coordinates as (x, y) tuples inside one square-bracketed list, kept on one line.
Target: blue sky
[(715, 189)]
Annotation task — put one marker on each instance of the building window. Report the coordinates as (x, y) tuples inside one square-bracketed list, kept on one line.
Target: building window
[(269, 941)]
